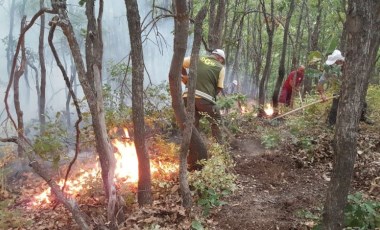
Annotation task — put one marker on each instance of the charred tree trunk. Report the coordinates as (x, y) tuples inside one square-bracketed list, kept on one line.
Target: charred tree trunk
[(281, 68), (363, 38), (197, 148), (42, 94), (144, 193)]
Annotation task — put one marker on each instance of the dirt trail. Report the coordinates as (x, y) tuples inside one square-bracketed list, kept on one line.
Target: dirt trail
[(272, 189)]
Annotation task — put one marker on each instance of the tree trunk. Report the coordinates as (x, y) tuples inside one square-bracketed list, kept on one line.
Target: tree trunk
[(363, 38), (237, 59), (308, 81), (197, 148), (257, 45), (216, 21), (189, 128), (42, 96), (144, 194), (281, 68), (92, 88), (16, 90), (10, 48), (268, 61)]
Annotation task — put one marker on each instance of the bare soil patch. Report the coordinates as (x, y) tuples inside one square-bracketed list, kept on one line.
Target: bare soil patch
[(273, 190)]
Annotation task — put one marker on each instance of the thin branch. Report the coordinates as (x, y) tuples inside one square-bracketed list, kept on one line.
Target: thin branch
[(18, 47), (53, 25)]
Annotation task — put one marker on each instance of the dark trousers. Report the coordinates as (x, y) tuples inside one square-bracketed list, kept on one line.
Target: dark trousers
[(204, 108)]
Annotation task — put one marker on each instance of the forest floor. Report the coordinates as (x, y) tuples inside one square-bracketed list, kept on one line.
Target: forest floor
[(275, 191), (282, 187)]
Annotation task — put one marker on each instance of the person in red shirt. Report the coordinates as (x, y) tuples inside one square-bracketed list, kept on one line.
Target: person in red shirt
[(290, 84)]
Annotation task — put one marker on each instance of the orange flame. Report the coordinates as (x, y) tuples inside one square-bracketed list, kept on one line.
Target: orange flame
[(126, 171)]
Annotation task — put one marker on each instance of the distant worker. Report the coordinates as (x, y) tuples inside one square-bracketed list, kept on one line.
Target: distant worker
[(333, 74), (232, 88), (210, 78), (290, 84)]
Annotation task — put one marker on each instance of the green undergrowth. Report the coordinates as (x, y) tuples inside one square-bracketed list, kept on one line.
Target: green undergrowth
[(360, 214), (215, 180)]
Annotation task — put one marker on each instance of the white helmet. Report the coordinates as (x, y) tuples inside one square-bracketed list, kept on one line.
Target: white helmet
[(220, 53), (335, 56)]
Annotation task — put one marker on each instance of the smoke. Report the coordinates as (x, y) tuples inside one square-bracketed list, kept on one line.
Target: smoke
[(157, 49)]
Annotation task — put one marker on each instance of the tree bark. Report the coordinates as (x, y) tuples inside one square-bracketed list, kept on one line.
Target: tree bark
[(23, 145), (313, 46), (237, 60), (144, 194), (42, 94), (363, 38), (197, 148), (16, 90), (10, 49), (216, 22), (91, 83), (281, 68), (269, 22), (189, 128)]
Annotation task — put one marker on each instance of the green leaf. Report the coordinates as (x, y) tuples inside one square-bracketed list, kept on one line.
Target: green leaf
[(197, 225)]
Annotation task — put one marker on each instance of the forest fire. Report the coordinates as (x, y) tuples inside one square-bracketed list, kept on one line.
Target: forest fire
[(268, 109), (126, 171)]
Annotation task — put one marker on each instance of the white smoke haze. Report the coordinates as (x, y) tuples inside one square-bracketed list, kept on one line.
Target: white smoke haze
[(157, 48)]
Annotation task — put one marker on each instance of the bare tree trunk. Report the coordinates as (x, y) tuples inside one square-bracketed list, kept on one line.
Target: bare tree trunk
[(144, 193), (10, 49), (23, 145), (42, 96), (16, 89), (237, 59), (197, 148), (230, 28), (188, 130), (314, 46), (216, 22), (257, 45), (363, 38), (68, 99), (281, 68), (269, 22), (92, 88)]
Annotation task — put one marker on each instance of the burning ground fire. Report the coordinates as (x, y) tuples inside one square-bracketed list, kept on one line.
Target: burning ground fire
[(268, 109), (126, 172)]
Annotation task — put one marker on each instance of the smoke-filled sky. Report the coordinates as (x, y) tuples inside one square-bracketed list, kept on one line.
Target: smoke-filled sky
[(157, 51)]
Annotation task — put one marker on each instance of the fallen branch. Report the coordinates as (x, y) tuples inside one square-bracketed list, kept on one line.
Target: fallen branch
[(302, 107)]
